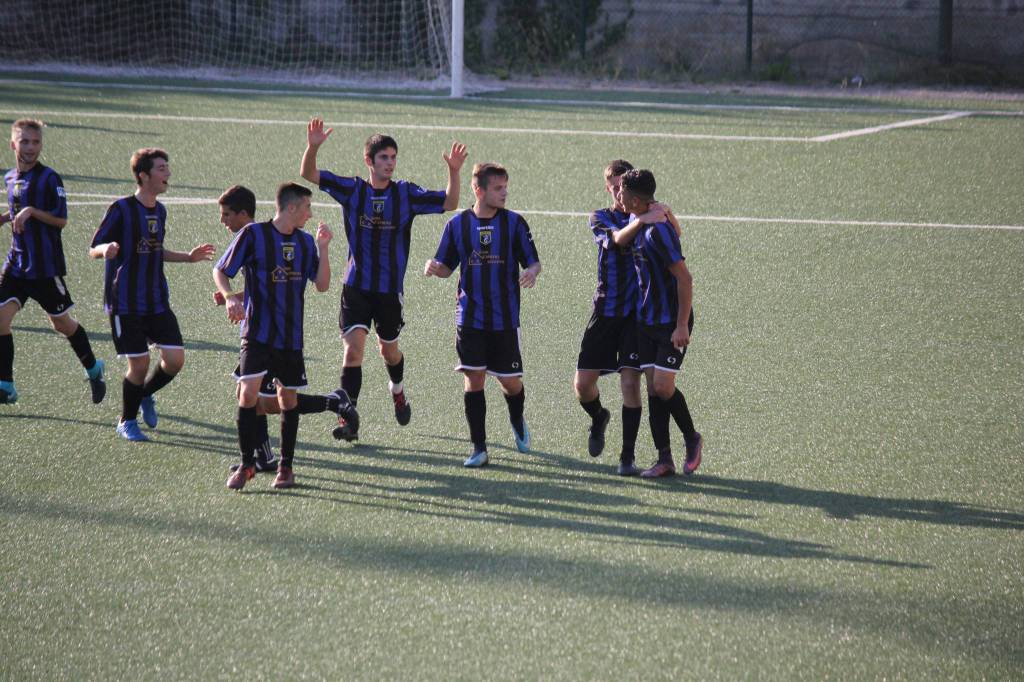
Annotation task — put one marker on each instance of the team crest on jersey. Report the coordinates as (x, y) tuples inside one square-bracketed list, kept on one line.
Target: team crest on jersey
[(17, 194), (153, 224), (378, 206), (288, 252), (486, 236)]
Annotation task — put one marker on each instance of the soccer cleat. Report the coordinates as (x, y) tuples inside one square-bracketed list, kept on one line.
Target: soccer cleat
[(129, 430), (8, 396), (149, 414), (477, 459), (285, 477), (522, 444), (660, 469), (627, 469), (595, 444), (241, 476), (265, 459), (96, 383), (403, 412), (693, 456), (348, 418)]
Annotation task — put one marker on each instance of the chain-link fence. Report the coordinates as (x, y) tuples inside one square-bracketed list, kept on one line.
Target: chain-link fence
[(965, 41)]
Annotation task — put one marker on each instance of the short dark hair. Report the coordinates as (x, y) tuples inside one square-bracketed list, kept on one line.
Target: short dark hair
[(289, 192), (238, 199), (639, 182), (30, 123), (142, 161), (617, 168), (483, 172), (377, 142)]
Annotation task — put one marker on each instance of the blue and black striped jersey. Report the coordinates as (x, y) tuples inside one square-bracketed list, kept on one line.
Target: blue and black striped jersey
[(277, 267), (37, 252), (616, 294), (656, 248), (489, 253), (134, 283), (378, 226)]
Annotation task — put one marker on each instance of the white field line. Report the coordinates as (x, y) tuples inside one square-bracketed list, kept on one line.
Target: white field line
[(486, 97), (200, 201), (890, 126), (378, 125)]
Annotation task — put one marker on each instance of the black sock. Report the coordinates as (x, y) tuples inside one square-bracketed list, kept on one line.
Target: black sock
[(311, 404), (681, 415), (516, 405), (396, 371), (476, 415), (352, 382), (658, 417), (630, 429), (132, 395), (80, 344), (593, 408), (7, 357), (289, 434), (248, 433), (159, 379)]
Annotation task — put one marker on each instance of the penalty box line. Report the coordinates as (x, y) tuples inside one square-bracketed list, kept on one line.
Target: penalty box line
[(203, 201)]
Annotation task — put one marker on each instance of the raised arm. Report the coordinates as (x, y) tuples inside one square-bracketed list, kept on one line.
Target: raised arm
[(315, 136), (627, 234), (454, 159)]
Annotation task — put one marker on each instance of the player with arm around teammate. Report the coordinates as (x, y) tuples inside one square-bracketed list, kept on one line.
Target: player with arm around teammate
[(278, 258), (665, 321), (489, 244), (135, 295), (34, 268), (378, 215)]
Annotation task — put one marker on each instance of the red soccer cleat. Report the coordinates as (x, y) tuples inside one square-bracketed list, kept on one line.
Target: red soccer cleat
[(285, 477), (659, 470), (242, 476)]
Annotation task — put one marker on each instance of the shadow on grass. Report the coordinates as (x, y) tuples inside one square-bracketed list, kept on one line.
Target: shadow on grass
[(98, 335)]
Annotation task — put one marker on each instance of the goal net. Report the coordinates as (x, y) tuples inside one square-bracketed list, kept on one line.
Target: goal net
[(391, 43)]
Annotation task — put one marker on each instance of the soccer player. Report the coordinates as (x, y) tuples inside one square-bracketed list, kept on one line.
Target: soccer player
[(665, 320), (489, 244), (135, 295), (238, 209), (609, 343), (378, 222), (37, 210), (278, 258)]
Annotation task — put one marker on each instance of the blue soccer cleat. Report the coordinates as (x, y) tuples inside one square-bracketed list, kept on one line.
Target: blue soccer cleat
[(129, 430), (96, 383), (8, 395), (477, 459), (149, 414), (522, 444)]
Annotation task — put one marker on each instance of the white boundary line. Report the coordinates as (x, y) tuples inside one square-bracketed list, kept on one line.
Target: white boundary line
[(200, 201), (489, 97), (890, 126)]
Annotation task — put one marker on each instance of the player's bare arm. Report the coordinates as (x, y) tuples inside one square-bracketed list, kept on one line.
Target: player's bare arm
[(435, 268), (199, 253), (235, 308), (323, 272), (21, 219), (5, 218), (529, 276), (454, 159), (684, 294), (627, 234), (316, 135), (106, 251)]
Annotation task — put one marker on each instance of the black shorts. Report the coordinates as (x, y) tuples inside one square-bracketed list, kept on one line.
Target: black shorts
[(133, 334), (494, 351), (49, 292), (268, 385), (656, 349), (288, 367), (360, 308), (609, 345)]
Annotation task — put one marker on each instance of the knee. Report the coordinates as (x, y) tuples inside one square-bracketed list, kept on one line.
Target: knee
[(173, 362), (664, 390), (287, 401), (64, 324), (390, 353)]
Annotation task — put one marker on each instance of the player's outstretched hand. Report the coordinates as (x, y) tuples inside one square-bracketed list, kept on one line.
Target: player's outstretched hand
[(315, 133), (456, 157), (323, 235), (681, 337), (111, 250), (201, 252)]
